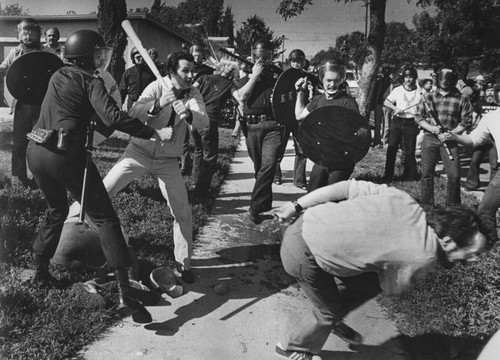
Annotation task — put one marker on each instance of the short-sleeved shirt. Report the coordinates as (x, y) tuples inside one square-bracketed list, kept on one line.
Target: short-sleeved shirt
[(342, 99), (405, 99), (259, 102), (215, 89), (453, 109)]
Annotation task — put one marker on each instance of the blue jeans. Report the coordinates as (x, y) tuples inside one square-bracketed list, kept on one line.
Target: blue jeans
[(263, 141), (406, 130), (491, 199), (311, 330), (322, 176), (432, 148)]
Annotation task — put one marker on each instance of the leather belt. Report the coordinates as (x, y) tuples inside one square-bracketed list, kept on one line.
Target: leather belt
[(255, 119)]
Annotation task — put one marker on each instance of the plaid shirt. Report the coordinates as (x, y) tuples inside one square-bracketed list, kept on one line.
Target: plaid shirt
[(453, 109)]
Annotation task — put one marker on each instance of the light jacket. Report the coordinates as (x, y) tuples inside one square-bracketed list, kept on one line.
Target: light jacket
[(142, 110)]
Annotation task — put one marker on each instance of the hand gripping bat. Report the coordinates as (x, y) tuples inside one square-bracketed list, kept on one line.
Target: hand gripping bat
[(127, 27), (441, 127)]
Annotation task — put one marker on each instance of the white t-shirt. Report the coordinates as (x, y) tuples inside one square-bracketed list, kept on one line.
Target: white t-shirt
[(405, 99), (489, 124)]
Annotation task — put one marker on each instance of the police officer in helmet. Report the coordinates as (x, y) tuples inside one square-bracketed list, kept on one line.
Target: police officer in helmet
[(75, 95)]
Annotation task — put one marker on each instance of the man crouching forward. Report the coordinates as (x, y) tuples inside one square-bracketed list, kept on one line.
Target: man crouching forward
[(359, 242)]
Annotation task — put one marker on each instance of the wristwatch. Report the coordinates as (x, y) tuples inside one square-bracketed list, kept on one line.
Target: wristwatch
[(298, 207)]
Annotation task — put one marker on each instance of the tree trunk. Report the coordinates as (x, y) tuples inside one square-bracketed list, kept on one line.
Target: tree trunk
[(375, 45), (110, 15)]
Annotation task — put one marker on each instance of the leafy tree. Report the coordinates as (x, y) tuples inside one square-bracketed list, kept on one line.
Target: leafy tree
[(352, 48), (227, 24), (332, 53), (253, 29), (13, 10), (110, 15), (400, 46), (374, 45)]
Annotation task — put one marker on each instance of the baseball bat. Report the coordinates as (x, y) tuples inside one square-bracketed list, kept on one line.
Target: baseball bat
[(129, 30)]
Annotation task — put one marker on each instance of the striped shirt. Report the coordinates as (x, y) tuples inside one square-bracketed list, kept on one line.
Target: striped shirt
[(453, 109)]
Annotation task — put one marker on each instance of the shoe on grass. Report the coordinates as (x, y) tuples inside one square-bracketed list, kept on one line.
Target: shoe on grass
[(255, 218), (293, 354), (346, 333)]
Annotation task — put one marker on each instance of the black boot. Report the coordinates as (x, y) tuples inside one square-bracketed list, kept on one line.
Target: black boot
[(42, 276), (126, 304)]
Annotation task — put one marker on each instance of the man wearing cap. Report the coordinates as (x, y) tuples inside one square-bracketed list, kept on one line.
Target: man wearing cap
[(403, 101), (135, 79), (262, 131), (297, 60), (454, 113), (25, 115)]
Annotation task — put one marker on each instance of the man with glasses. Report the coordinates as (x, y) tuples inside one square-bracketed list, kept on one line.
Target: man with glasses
[(346, 233), (135, 79), (261, 130)]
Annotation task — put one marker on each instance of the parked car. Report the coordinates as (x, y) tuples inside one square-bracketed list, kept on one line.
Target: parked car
[(352, 80)]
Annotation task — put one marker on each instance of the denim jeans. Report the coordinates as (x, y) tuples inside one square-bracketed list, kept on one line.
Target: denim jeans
[(55, 171), (432, 148), (478, 153), (263, 141), (310, 330), (299, 169), (206, 150), (137, 161), (406, 130), (25, 117)]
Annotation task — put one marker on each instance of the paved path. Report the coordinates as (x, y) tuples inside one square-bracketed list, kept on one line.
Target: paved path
[(246, 322)]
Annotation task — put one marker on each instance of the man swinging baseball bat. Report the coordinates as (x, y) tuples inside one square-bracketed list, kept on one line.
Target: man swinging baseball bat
[(168, 101)]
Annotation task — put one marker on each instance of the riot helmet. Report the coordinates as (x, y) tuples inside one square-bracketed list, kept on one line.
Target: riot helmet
[(332, 75), (297, 59), (410, 71), (447, 78), (87, 48)]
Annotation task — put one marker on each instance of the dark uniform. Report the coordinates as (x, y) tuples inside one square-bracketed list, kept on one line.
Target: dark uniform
[(263, 139), (74, 96)]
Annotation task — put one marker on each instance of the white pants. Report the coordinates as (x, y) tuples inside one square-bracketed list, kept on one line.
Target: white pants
[(137, 161)]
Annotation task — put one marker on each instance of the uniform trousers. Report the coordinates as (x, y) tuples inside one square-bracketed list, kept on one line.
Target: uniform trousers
[(136, 161), (263, 140), (55, 171)]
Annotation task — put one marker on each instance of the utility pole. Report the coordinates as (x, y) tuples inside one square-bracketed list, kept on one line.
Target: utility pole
[(283, 38), (366, 5)]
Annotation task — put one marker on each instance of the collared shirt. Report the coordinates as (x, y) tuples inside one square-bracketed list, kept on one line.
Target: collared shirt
[(489, 125), (452, 109)]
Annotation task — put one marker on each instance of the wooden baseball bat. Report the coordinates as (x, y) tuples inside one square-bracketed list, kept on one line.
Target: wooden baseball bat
[(129, 30)]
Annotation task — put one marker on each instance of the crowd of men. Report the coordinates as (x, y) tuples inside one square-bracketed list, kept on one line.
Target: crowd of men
[(338, 230)]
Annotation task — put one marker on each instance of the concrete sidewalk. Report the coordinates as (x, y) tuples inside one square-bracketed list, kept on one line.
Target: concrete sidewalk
[(247, 321)]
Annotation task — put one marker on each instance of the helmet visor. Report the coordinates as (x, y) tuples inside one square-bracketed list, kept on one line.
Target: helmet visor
[(264, 54), (102, 57)]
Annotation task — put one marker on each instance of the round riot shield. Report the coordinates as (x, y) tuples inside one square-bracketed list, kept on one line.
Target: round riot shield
[(334, 137), (28, 77), (284, 97)]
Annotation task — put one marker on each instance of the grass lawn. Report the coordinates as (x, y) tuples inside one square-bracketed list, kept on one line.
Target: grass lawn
[(55, 324)]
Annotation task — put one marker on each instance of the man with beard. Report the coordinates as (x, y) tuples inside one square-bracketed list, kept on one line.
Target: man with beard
[(135, 79), (454, 113), (403, 101), (25, 115), (346, 232), (52, 41)]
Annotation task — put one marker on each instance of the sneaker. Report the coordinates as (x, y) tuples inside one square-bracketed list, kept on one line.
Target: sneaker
[(346, 333), (187, 276), (292, 354), (277, 181)]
